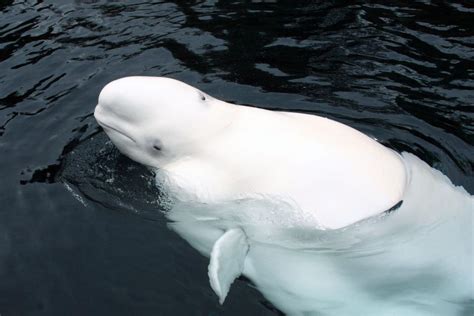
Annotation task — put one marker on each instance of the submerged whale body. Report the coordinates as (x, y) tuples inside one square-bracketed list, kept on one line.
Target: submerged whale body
[(297, 203)]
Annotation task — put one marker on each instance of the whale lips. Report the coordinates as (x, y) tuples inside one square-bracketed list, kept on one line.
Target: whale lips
[(107, 126)]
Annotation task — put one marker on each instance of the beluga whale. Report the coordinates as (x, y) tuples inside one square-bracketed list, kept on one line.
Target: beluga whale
[(319, 216)]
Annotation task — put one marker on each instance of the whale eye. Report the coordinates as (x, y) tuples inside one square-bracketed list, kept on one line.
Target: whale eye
[(156, 144), (203, 97)]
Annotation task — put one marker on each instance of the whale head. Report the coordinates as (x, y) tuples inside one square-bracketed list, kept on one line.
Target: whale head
[(153, 120)]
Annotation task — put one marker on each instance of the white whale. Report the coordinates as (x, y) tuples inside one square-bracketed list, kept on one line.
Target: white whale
[(219, 150), (297, 203)]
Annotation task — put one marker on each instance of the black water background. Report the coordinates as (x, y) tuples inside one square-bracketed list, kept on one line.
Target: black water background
[(400, 71)]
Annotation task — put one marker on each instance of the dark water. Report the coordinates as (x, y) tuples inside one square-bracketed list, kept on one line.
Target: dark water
[(71, 242)]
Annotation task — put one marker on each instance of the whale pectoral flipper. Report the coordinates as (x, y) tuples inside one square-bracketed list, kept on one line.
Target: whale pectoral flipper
[(227, 261)]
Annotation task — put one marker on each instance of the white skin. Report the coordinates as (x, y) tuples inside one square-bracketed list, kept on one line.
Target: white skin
[(220, 151)]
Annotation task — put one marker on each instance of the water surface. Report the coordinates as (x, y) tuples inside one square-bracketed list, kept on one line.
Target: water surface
[(403, 74)]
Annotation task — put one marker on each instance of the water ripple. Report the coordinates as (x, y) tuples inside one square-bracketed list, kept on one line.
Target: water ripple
[(400, 72)]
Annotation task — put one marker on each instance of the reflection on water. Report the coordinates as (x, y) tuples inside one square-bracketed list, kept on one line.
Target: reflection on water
[(401, 73)]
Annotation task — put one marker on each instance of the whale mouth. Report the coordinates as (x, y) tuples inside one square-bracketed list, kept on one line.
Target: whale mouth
[(109, 127)]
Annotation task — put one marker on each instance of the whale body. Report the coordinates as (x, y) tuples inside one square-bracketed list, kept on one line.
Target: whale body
[(298, 203), (219, 151)]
